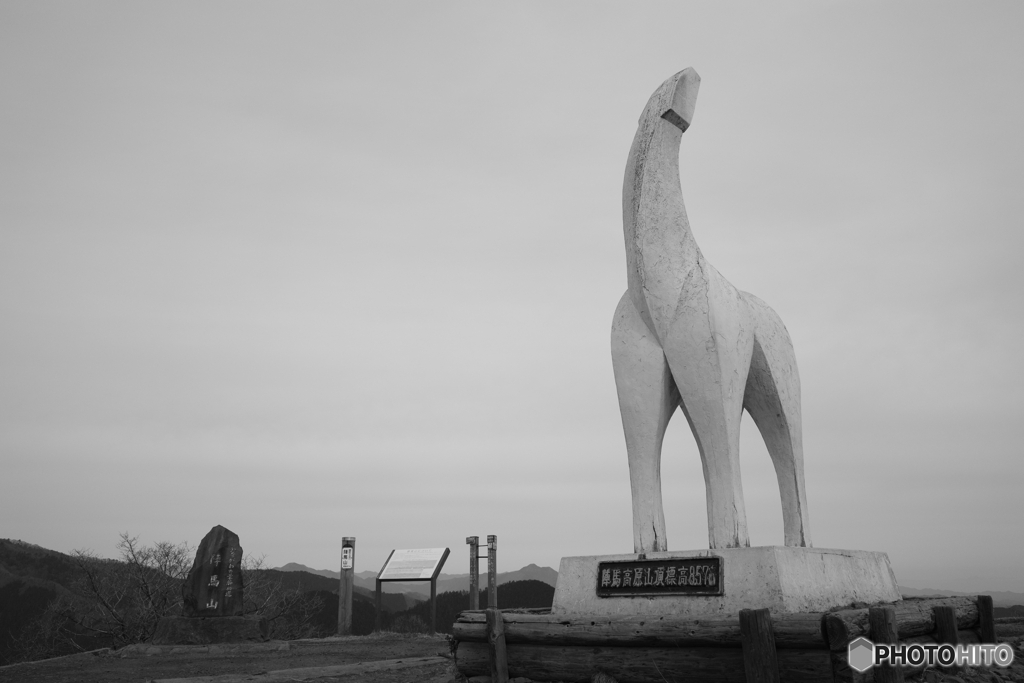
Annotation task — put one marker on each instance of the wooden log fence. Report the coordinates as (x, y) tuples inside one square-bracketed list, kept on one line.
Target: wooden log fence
[(913, 618), (792, 631), (755, 647)]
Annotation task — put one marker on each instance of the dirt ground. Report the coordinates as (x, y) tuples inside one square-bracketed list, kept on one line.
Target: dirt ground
[(142, 663), (381, 658)]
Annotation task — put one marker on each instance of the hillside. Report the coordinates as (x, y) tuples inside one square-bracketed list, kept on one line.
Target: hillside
[(529, 593), (27, 560), (305, 582), (30, 578)]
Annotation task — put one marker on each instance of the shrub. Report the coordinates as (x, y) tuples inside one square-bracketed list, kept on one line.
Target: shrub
[(408, 623)]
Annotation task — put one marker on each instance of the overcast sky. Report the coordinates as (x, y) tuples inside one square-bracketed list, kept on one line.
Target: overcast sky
[(313, 270)]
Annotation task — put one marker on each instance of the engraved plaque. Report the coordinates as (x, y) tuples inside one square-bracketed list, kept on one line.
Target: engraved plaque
[(679, 576)]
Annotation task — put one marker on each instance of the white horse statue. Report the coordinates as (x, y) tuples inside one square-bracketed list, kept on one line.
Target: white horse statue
[(684, 336)]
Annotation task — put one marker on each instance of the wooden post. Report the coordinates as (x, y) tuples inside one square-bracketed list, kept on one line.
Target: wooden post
[(945, 625), (945, 628), (433, 606), (882, 621), (986, 620), (496, 640), (348, 561), (474, 571), (760, 661), (376, 616), (492, 571)]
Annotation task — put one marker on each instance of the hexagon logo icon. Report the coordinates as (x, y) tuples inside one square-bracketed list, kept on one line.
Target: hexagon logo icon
[(861, 654)]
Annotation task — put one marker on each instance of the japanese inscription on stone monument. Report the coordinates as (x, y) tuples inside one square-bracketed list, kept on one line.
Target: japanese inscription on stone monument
[(214, 586), (679, 576)]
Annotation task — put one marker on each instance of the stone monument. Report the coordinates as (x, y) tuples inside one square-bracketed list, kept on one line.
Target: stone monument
[(683, 336), (214, 585), (212, 606)]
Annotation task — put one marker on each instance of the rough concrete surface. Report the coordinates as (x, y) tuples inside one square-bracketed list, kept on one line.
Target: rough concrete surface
[(780, 578)]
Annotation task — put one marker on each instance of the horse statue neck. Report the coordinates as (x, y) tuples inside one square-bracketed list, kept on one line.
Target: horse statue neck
[(660, 250)]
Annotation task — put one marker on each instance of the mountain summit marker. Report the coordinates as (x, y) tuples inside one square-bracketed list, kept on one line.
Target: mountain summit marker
[(212, 606), (684, 337)]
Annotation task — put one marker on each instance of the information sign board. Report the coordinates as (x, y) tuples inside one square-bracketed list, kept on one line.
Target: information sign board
[(417, 563)]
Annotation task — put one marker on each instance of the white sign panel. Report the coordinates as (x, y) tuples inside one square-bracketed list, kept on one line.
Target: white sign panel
[(346, 558), (418, 563)]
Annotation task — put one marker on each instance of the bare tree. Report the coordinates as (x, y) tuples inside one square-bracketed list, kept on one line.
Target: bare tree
[(290, 613), (111, 603), (128, 597)]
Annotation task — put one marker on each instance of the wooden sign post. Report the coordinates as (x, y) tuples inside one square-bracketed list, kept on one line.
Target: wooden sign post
[(492, 572), (348, 562), (419, 564), (474, 571)]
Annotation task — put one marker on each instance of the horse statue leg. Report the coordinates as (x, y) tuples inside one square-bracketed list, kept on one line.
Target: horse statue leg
[(647, 399), (772, 398)]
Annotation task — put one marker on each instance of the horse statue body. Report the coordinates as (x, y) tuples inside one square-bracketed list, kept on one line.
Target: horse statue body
[(683, 336)]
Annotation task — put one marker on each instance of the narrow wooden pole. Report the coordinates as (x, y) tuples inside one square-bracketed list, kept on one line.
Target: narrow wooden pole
[(433, 606), (492, 572), (496, 640), (945, 625), (376, 617), (945, 628), (882, 621), (760, 661), (986, 620), (474, 571), (348, 561)]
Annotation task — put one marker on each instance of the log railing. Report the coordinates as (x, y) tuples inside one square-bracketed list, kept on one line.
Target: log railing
[(755, 646)]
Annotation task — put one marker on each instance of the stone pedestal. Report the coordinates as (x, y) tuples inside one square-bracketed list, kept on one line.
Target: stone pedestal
[(780, 578), (210, 630)]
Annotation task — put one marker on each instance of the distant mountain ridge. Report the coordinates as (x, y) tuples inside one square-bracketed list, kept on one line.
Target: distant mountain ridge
[(296, 567), (999, 598), (445, 582)]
